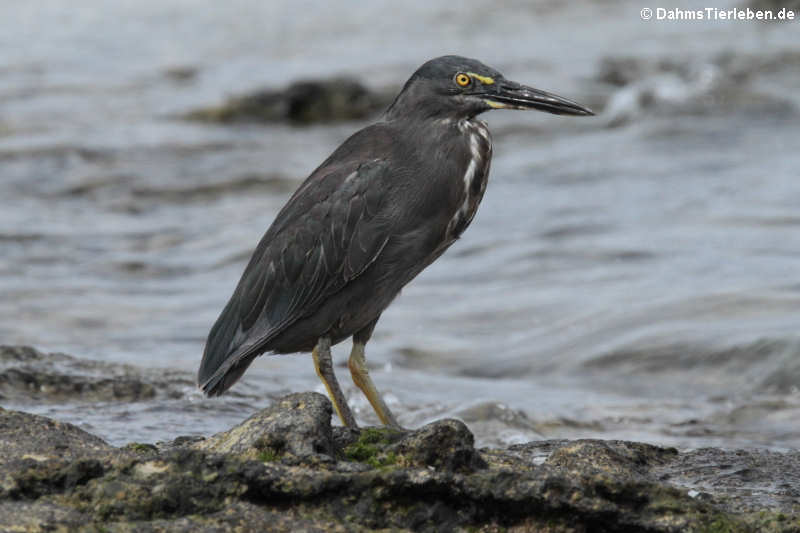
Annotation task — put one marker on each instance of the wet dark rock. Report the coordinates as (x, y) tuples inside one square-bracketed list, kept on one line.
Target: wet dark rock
[(738, 480), (303, 102), (286, 469), (27, 374), (181, 73), (443, 445), (25, 436)]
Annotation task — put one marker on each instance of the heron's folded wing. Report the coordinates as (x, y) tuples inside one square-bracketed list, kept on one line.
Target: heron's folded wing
[(326, 236)]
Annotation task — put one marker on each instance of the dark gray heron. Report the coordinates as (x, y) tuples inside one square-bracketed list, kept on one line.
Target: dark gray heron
[(388, 202)]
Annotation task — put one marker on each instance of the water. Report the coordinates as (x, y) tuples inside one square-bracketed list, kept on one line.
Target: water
[(635, 275)]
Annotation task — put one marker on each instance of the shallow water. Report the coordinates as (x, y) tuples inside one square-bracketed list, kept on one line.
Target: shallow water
[(635, 275)]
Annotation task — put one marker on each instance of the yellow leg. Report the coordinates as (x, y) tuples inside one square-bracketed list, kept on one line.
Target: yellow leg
[(358, 369), (324, 368)]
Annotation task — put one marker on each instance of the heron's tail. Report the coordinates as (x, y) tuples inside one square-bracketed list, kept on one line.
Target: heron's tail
[(223, 361)]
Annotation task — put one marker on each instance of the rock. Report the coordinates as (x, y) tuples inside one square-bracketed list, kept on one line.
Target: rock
[(286, 469), (443, 445), (298, 425), (38, 438), (611, 457), (181, 73), (40, 457), (303, 102), (27, 374), (737, 480)]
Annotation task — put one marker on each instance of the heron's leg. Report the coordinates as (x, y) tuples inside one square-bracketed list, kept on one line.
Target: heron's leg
[(358, 369), (324, 367)]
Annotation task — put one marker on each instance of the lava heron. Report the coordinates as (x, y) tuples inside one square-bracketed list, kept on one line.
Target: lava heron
[(388, 202)]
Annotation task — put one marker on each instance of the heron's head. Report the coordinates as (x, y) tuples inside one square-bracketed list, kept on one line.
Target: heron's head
[(459, 87)]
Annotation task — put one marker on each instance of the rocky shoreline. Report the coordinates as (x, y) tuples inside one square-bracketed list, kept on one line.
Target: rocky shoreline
[(286, 468), (301, 103)]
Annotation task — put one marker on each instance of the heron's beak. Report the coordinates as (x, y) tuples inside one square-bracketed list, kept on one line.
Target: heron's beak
[(512, 95)]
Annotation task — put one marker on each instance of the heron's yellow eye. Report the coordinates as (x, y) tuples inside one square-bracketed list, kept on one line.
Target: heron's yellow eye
[(462, 79)]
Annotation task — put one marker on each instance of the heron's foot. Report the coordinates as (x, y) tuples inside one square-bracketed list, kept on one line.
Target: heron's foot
[(358, 369), (324, 367)]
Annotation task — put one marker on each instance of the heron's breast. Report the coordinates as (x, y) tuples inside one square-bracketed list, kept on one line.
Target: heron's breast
[(476, 174)]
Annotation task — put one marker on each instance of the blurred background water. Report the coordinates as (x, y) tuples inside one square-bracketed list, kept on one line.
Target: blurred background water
[(635, 275)]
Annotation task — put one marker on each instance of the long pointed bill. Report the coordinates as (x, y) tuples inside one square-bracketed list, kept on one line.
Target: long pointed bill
[(511, 95)]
